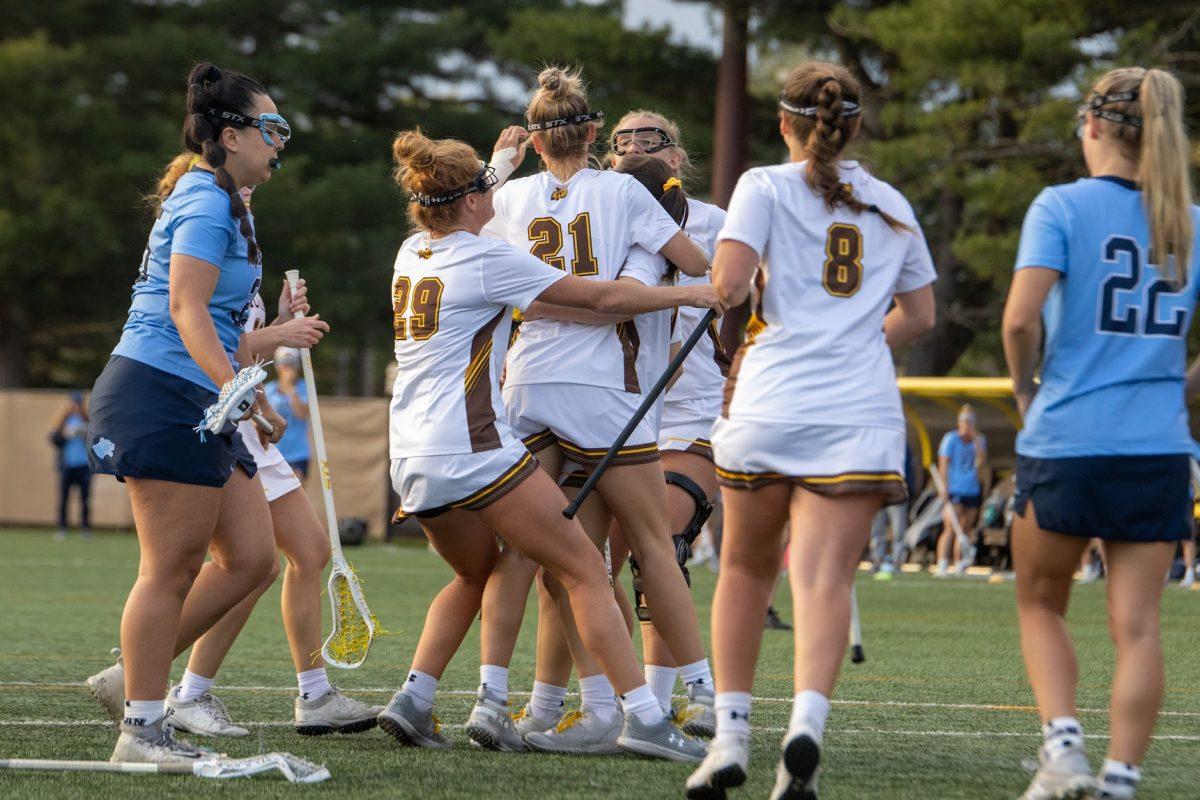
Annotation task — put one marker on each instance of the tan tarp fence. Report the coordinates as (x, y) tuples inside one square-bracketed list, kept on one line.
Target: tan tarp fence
[(355, 434)]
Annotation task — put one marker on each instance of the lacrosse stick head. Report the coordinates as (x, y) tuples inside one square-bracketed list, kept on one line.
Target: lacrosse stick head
[(235, 399), (354, 626), (294, 768)]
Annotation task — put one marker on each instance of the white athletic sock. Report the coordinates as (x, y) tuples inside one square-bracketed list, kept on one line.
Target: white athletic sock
[(1062, 733), (697, 674), (421, 688), (642, 703), (662, 682), (943, 564), (143, 712), (809, 709), (191, 685), (732, 710), (1118, 779), (313, 684), (547, 700), (495, 680), (599, 697)]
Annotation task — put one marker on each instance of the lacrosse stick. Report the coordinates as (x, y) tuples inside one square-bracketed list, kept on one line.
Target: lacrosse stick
[(651, 397), (857, 655), (353, 624), (964, 542), (294, 768), (235, 399)]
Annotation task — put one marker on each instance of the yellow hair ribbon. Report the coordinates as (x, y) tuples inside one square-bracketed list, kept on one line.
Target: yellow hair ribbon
[(672, 183), (195, 160)]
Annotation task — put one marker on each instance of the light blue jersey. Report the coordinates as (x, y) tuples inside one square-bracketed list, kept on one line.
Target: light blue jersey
[(962, 473), (294, 444), (195, 221), (1115, 343)]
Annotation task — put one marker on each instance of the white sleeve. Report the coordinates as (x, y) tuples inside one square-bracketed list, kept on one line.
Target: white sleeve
[(750, 210), (917, 270), (644, 266), (497, 226), (513, 278), (650, 226)]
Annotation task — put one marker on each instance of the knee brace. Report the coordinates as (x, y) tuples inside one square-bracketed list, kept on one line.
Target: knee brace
[(683, 541)]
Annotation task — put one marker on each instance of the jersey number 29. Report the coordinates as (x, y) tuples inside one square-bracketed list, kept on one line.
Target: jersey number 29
[(423, 301)]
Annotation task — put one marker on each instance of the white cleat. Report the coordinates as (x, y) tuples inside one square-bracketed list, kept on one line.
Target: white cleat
[(1067, 776), (108, 687), (154, 744), (723, 768), (579, 733), (1189, 580), (526, 722), (697, 717), (204, 716), (491, 725), (663, 740), (334, 712), (799, 766)]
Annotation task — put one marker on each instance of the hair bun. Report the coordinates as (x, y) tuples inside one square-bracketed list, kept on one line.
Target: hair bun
[(559, 84), (414, 150)]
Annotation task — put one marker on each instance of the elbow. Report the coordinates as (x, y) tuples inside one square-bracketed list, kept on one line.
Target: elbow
[(1017, 328), (606, 300), (926, 321), (730, 296), (696, 269)]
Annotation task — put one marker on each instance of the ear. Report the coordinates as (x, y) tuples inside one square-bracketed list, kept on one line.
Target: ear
[(675, 160), (591, 133), (785, 129), (537, 144), (229, 139)]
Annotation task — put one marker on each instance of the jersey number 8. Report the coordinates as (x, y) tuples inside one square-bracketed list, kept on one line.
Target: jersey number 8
[(842, 276), (426, 304), (546, 234)]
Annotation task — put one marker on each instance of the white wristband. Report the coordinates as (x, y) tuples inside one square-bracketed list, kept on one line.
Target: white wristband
[(502, 164)]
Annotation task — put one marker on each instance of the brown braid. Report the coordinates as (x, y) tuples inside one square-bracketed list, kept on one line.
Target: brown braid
[(828, 87), (208, 88)]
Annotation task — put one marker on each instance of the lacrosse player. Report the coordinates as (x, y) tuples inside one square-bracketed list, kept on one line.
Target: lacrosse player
[(811, 431)]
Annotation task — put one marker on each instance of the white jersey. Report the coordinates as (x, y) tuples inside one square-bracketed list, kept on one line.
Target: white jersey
[(697, 393), (451, 304), (655, 331), (585, 226), (257, 318), (818, 356), (263, 456)]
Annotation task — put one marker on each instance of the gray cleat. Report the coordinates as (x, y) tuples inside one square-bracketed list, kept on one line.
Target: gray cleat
[(579, 733), (334, 712), (663, 739), (697, 717), (155, 743), (411, 727), (204, 716), (1067, 776), (491, 725), (723, 768), (526, 722), (108, 687), (796, 775)]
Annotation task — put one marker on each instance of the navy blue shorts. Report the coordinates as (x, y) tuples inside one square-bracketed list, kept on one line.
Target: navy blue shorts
[(967, 500), (1115, 498), (141, 426)]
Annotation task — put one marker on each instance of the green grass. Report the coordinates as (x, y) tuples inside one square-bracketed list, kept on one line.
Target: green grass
[(895, 731)]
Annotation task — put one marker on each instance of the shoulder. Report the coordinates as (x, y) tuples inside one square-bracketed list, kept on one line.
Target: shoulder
[(199, 198), (705, 214), (881, 193)]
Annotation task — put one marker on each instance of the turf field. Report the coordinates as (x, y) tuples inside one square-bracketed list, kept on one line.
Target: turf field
[(939, 710)]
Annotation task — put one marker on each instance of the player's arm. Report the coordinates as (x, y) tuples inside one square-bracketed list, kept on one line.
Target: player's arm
[(944, 471), (733, 269), (287, 330), (1022, 329), (685, 254), (1192, 385), (626, 297), (911, 317), (982, 467), (583, 316), (191, 286), (263, 406)]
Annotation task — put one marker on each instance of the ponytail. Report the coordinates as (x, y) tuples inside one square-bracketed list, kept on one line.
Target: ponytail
[(1164, 173), (166, 184)]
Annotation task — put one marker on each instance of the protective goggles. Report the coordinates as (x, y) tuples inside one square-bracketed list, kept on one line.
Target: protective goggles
[(577, 119), (483, 181), (275, 129), (647, 140), (849, 108), (1095, 106)]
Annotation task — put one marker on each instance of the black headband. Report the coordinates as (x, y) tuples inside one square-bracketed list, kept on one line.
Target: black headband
[(1095, 107), (578, 119), (484, 179), (849, 108)]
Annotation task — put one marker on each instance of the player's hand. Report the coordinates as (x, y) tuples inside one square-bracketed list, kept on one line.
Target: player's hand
[(513, 136), (303, 332), (292, 301), (278, 425), (702, 295), (1025, 400)]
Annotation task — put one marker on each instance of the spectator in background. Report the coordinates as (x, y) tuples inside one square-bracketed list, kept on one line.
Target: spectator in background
[(289, 396), (70, 438), (962, 462)]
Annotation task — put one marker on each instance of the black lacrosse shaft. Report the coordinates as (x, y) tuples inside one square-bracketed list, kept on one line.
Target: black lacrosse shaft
[(651, 396)]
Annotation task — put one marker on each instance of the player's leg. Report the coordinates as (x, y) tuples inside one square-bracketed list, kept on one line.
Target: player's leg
[(1189, 563), (946, 540), (1045, 563), (468, 545), (1134, 598), (967, 518)]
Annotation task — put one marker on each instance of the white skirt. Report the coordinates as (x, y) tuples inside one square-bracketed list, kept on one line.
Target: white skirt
[(582, 420), (276, 476), (432, 485)]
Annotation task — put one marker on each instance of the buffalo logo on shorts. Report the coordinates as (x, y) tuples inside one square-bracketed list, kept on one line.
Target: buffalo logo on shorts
[(103, 448), (559, 193)]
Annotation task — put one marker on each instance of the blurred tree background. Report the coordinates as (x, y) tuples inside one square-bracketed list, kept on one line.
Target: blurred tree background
[(970, 111)]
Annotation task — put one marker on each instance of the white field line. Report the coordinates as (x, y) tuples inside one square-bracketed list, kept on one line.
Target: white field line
[(471, 693), (71, 723)]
